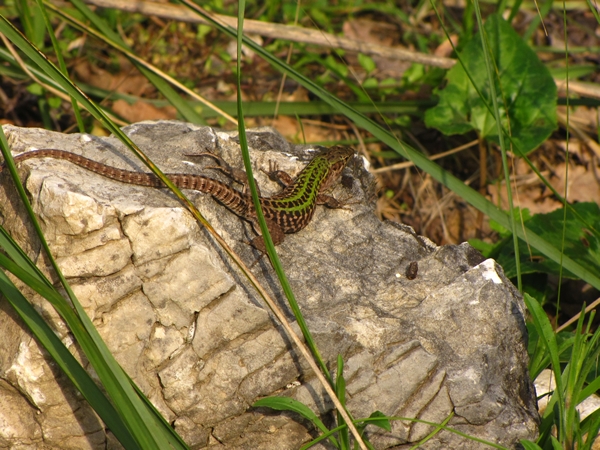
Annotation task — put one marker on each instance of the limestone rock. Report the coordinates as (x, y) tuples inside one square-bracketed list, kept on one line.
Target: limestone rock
[(198, 341)]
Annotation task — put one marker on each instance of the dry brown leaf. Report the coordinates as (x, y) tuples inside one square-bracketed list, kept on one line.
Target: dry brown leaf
[(583, 187), (530, 198), (290, 128), (378, 33), (445, 49), (287, 126), (143, 111), (575, 148), (370, 31), (583, 184), (298, 95), (123, 82), (582, 116), (454, 225)]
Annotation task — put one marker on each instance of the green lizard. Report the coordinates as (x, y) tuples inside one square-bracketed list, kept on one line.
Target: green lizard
[(289, 211)]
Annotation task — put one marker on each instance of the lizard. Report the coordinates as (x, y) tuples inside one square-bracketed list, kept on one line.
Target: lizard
[(288, 211)]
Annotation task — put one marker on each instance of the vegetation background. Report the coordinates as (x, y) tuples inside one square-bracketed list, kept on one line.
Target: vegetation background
[(503, 96)]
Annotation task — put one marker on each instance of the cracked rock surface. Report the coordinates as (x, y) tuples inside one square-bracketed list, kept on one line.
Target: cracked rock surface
[(445, 336)]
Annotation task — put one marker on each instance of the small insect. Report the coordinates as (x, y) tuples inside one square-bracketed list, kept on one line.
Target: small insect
[(411, 270)]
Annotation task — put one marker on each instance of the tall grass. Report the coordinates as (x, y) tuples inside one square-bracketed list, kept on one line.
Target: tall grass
[(121, 405)]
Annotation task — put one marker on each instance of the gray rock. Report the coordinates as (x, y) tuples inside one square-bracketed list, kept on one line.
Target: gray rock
[(199, 342)]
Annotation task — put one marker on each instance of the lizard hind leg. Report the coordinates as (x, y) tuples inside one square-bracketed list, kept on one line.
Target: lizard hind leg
[(277, 235)]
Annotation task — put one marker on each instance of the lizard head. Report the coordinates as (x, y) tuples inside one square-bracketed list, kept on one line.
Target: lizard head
[(338, 156)]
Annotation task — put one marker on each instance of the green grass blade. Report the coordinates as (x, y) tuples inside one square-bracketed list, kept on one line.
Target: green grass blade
[(289, 404), (590, 426), (340, 392), (15, 253), (265, 230), (408, 419), (170, 94), (141, 421), (328, 435), (263, 225), (542, 361), (61, 61), (496, 109), (70, 366), (528, 445), (378, 419), (592, 387), (546, 333), (451, 182), (556, 444), (434, 432), (31, 21), (573, 384)]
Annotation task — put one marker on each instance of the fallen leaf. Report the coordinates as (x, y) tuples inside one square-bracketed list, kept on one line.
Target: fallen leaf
[(365, 30), (125, 81), (583, 184), (445, 49), (143, 111), (379, 33)]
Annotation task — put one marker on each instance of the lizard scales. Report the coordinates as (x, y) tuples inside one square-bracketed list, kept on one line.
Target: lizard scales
[(289, 211)]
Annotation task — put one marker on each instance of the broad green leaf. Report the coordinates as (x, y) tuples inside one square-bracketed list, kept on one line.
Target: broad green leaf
[(366, 62), (402, 148), (581, 241), (289, 404), (526, 90), (381, 422)]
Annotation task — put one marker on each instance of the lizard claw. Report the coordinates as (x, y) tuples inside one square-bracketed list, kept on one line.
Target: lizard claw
[(277, 175)]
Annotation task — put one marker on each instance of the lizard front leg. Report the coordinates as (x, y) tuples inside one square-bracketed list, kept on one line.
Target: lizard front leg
[(331, 202), (279, 176)]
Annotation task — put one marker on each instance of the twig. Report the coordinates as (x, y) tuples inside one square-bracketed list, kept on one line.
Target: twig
[(309, 36), (278, 31), (576, 317), (584, 89), (581, 134), (406, 164)]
